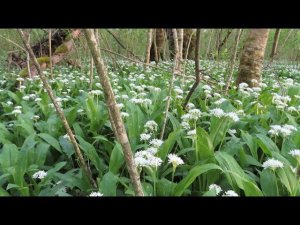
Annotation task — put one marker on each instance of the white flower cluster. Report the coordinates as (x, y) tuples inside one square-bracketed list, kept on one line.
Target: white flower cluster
[(217, 112), (230, 193), (39, 175), (96, 194), (17, 110), (284, 130), (280, 101), (147, 158), (295, 152), (272, 164), (175, 160), (215, 187)]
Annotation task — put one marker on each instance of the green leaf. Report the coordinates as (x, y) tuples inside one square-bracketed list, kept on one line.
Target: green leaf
[(90, 152), (251, 142), (50, 140), (9, 156), (288, 179), (168, 144), (41, 151), (165, 187), (218, 129), (116, 159), (108, 184), (266, 144), (268, 183), (67, 146), (3, 192), (204, 147), (192, 175)]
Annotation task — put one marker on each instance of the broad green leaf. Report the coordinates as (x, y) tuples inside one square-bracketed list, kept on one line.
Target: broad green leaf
[(218, 129), (165, 187), (116, 159), (268, 183), (251, 142), (9, 156), (108, 184), (204, 147), (266, 144), (288, 179), (50, 140), (168, 144), (67, 146), (192, 175)]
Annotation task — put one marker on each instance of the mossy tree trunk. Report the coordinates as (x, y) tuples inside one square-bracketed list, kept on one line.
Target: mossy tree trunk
[(157, 45), (252, 56)]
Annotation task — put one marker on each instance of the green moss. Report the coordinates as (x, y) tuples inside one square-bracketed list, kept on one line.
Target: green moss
[(69, 37), (24, 72), (44, 59), (61, 49)]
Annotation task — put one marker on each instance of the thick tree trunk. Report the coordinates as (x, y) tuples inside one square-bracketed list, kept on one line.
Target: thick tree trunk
[(275, 44), (158, 45), (114, 112), (252, 56), (171, 43)]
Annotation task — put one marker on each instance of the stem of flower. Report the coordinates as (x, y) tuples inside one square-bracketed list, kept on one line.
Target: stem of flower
[(173, 173)]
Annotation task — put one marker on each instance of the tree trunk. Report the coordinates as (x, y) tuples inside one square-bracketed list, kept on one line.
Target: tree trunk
[(59, 111), (180, 48), (275, 44), (232, 61), (114, 112), (175, 66), (189, 40), (171, 43), (148, 47), (197, 68), (224, 41), (252, 56)]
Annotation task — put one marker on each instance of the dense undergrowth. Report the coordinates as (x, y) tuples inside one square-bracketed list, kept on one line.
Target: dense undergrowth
[(244, 143)]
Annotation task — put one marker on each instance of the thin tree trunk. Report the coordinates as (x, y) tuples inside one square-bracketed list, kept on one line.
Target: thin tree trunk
[(275, 44), (252, 57), (176, 56), (197, 69), (224, 41), (48, 88), (148, 47), (114, 112), (208, 45), (50, 53), (91, 73), (171, 43), (233, 58), (180, 48)]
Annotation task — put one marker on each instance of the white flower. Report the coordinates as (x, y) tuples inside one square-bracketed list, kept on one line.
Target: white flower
[(16, 111), (191, 132), (154, 161), (80, 110), (217, 188), (243, 85), (292, 109), (152, 150), (66, 136), (96, 194), (194, 114), (140, 161), (145, 137), (26, 97), (156, 143), (175, 160), (272, 164), (9, 103), (206, 87), (124, 96), (254, 81), (295, 152), (38, 100), (39, 175), (217, 112), (124, 114), (220, 101), (190, 105), (238, 102), (233, 116), (232, 131), (230, 193), (185, 125), (151, 125)]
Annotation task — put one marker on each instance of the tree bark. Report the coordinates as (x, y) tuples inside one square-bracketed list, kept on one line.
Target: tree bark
[(189, 40), (114, 112), (59, 111), (224, 41), (197, 68), (252, 57), (171, 43), (148, 47), (176, 62), (275, 44), (233, 58)]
